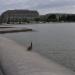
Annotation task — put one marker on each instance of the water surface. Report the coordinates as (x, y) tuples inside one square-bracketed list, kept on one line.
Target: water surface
[(55, 41)]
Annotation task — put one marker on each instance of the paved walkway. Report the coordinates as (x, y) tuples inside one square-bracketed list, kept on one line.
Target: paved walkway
[(15, 60)]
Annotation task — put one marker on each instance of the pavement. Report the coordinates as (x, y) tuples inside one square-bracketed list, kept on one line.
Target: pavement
[(16, 60)]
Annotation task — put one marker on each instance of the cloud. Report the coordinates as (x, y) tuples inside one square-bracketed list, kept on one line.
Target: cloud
[(41, 4), (44, 6), (64, 9)]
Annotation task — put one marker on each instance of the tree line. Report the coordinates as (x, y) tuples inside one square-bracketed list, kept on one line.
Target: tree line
[(58, 18)]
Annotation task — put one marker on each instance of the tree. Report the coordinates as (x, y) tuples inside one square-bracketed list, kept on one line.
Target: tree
[(51, 18), (37, 19)]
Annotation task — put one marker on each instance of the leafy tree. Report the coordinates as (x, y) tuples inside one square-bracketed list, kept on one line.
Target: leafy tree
[(37, 19), (51, 18)]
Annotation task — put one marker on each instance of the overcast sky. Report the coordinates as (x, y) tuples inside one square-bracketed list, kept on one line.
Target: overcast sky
[(43, 6)]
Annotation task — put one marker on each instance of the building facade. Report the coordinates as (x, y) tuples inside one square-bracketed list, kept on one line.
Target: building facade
[(18, 16)]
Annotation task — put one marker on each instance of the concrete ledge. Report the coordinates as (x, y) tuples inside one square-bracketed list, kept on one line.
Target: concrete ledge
[(16, 60), (13, 29)]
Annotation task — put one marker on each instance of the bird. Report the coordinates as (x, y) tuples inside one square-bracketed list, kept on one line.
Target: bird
[(29, 47)]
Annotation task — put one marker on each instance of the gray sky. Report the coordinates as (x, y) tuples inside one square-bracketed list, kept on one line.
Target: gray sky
[(43, 6)]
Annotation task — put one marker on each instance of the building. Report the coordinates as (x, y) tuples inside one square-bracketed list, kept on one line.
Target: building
[(18, 16)]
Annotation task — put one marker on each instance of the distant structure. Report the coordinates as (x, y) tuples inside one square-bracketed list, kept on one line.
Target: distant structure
[(32, 16), (18, 16)]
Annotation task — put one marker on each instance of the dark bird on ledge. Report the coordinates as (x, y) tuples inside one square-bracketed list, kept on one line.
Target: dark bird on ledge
[(29, 47)]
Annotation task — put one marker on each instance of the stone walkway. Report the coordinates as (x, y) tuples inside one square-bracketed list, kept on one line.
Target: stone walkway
[(15, 60)]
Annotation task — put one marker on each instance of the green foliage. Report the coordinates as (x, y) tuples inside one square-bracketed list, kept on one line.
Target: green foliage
[(51, 18), (37, 19), (58, 18)]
